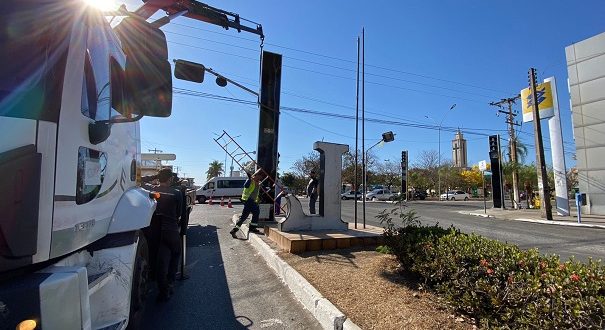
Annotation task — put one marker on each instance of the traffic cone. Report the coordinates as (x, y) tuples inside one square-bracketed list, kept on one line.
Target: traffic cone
[(210, 201), (229, 203), (222, 201)]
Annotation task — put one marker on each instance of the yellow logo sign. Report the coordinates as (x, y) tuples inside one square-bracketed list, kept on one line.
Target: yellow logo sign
[(545, 102)]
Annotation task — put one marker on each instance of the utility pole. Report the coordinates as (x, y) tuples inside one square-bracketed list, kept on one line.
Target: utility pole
[(545, 206), (507, 104)]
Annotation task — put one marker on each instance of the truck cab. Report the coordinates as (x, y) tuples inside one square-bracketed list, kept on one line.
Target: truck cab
[(72, 89)]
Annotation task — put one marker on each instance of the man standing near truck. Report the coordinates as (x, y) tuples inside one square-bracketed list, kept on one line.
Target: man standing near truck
[(250, 198), (167, 214)]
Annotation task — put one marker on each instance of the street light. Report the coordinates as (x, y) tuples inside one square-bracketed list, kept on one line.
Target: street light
[(439, 147), (241, 153), (386, 137)]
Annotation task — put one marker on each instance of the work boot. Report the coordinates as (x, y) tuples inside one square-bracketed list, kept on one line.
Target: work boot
[(233, 231)]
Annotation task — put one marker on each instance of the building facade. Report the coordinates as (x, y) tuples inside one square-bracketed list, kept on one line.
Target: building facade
[(586, 71)]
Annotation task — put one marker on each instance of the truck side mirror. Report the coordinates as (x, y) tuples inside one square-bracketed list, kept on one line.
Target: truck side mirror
[(189, 71), (148, 77)]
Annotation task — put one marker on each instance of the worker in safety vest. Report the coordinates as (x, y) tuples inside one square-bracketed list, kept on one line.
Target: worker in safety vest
[(250, 198)]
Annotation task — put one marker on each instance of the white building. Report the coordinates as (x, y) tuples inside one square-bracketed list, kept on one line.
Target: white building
[(586, 71)]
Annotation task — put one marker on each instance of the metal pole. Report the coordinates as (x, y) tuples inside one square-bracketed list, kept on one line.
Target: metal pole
[(439, 163), (546, 208), (484, 201), (363, 120), (183, 257), (356, 186)]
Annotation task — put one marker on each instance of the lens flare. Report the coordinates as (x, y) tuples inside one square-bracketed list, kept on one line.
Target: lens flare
[(104, 5)]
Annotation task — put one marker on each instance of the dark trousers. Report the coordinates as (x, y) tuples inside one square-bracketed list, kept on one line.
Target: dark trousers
[(312, 201), (168, 259), (249, 207)]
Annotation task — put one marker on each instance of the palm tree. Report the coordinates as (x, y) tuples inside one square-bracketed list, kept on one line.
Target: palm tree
[(214, 169)]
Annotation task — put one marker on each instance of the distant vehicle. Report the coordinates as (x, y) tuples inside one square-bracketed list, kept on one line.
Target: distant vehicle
[(454, 195), (381, 195), (419, 194), (350, 195), (218, 187)]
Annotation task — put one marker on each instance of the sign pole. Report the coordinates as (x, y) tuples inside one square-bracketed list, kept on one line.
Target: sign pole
[(484, 201)]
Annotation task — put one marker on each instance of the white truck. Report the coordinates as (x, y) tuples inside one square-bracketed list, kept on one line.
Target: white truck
[(72, 89)]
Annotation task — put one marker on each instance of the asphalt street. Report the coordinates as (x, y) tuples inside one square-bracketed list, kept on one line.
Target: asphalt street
[(565, 241), (230, 286)]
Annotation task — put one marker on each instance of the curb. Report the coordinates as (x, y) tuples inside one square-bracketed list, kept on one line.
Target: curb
[(320, 307), (483, 215), (545, 222)]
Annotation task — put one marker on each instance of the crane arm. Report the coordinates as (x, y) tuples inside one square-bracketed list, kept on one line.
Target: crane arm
[(198, 11)]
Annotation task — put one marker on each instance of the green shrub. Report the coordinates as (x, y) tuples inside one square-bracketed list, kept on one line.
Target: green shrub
[(499, 284)]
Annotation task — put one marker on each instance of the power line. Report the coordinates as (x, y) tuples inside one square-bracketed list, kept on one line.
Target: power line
[(470, 131), (337, 67), (346, 60)]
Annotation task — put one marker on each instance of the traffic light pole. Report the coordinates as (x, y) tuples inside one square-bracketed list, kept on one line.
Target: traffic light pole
[(404, 173), (545, 206)]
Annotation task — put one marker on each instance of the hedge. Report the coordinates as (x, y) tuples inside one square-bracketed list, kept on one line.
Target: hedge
[(499, 284)]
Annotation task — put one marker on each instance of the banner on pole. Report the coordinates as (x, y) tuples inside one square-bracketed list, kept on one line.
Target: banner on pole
[(545, 102)]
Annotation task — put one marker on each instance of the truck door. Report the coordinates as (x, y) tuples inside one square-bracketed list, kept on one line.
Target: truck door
[(90, 178)]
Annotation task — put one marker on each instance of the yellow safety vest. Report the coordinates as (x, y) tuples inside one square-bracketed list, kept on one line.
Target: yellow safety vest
[(249, 191)]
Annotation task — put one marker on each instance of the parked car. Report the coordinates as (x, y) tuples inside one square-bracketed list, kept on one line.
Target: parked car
[(419, 194), (351, 195), (380, 195), (454, 195)]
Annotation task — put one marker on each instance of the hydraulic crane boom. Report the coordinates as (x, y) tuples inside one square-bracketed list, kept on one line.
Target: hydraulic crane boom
[(198, 11)]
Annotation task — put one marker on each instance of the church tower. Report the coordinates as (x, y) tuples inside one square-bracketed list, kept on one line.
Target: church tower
[(459, 151)]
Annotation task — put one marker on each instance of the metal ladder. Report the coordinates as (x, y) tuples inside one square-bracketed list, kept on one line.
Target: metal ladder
[(233, 149)]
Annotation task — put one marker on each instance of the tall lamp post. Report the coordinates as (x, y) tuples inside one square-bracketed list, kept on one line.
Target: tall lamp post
[(439, 147), (241, 153), (386, 137)]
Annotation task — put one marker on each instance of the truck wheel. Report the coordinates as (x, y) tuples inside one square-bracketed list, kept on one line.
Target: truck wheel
[(140, 283), (201, 199)]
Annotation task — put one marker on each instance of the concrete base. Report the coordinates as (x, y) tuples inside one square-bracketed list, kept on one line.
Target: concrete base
[(301, 241), (298, 220)]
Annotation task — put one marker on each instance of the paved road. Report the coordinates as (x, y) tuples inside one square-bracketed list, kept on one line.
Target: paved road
[(563, 240), (230, 286)]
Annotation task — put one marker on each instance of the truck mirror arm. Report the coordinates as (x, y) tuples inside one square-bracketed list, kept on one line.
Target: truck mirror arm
[(100, 130)]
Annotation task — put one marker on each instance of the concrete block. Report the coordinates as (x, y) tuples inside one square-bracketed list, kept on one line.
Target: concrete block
[(343, 243), (314, 245), (349, 325), (328, 315)]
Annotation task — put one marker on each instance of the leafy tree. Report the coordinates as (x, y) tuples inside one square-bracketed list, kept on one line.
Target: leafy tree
[(388, 173), (303, 167), (214, 169), (471, 178)]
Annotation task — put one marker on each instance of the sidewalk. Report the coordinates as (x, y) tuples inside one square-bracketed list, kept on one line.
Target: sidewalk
[(533, 215)]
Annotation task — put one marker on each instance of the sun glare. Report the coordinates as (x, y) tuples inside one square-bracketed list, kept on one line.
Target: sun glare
[(102, 4)]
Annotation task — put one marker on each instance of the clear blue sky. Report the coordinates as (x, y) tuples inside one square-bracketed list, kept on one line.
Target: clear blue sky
[(421, 57)]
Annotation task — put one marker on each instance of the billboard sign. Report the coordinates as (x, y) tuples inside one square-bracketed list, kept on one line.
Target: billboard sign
[(546, 104)]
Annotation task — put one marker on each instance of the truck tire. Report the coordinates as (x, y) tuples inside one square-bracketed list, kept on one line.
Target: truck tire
[(140, 277), (201, 199)]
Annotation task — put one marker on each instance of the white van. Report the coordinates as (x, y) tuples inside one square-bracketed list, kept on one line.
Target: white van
[(218, 187)]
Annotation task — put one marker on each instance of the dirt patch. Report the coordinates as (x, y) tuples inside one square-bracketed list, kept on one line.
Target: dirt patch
[(367, 287)]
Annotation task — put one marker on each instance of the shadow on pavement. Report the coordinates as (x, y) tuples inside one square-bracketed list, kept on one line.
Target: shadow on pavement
[(203, 301)]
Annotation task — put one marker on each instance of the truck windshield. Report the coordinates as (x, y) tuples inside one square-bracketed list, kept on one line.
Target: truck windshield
[(34, 51)]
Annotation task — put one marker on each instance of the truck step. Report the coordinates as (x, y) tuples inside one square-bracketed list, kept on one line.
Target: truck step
[(97, 281)]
